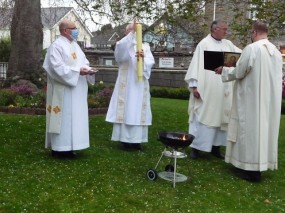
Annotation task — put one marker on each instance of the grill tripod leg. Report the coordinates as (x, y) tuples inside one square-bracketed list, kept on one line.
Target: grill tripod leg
[(160, 158), (174, 173)]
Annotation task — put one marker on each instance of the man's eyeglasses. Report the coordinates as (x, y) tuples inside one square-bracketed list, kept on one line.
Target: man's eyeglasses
[(252, 31), (73, 28)]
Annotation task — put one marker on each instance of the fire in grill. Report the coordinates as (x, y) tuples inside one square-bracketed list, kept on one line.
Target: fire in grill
[(175, 140)]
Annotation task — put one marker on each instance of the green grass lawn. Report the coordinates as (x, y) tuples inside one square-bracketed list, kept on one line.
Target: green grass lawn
[(108, 179)]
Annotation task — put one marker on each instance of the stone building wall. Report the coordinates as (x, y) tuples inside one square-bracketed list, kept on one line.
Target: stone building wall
[(98, 58), (159, 77), (167, 77)]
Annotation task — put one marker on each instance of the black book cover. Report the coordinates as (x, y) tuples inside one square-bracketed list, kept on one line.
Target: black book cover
[(215, 59)]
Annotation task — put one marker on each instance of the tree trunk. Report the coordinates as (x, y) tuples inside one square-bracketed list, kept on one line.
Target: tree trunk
[(27, 38)]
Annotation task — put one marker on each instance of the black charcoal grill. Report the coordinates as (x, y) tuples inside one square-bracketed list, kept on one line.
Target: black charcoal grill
[(175, 140), (175, 143)]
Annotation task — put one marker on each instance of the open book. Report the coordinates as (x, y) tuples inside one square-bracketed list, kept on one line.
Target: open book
[(214, 59), (92, 71)]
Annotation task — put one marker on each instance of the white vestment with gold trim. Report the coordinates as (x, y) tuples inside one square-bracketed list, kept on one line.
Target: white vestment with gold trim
[(129, 107), (67, 125), (209, 115)]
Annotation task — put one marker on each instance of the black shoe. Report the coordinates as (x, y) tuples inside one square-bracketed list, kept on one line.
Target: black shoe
[(126, 146), (216, 152), (57, 154), (71, 154), (251, 176), (137, 146), (194, 154), (64, 154), (54, 153)]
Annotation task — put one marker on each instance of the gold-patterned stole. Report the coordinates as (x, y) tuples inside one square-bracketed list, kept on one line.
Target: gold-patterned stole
[(144, 102), (123, 78)]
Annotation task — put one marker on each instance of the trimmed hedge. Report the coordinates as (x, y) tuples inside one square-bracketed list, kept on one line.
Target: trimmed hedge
[(167, 92), (155, 91)]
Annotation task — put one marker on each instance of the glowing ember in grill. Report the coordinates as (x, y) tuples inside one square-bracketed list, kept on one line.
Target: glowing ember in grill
[(175, 140)]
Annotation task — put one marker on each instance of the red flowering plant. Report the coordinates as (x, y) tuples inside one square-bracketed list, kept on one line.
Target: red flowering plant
[(22, 96), (101, 96)]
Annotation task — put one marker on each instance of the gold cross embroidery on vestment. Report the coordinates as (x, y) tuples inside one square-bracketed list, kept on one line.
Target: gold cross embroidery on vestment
[(49, 108), (74, 56), (120, 119), (56, 109)]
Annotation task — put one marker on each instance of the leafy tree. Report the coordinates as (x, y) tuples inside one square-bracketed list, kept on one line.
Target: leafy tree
[(26, 37), (148, 11), (122, 11), (106, 27), (270, 11)]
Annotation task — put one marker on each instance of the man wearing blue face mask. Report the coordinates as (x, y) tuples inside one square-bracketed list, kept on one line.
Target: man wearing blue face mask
[(74, 34), (68, 75)]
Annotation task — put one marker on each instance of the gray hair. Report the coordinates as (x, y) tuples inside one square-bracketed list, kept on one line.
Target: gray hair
[(260, 26), (217, 23)]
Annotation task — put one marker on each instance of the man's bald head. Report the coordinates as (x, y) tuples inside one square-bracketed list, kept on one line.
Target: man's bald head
[(66, 24), (129, 28), (66, 27)]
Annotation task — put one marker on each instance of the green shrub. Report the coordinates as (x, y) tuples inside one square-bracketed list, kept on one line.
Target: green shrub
[(99, 95), (5, 49), (155, 91), (101, 99), (21, 101), (22, 97), (92, 102), (93, 89), (33, 101), (7, 97), (39, 100), (167, 92)]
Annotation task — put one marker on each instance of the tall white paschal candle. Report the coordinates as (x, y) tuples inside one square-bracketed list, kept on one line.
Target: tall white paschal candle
[(139, 49)]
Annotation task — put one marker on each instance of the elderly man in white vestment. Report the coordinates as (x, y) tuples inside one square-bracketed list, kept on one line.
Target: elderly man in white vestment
[(210, 99), (255, 117), (68, 74), (129, 108)]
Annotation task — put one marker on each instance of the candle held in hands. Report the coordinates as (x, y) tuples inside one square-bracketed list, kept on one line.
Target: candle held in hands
[(139, 49)]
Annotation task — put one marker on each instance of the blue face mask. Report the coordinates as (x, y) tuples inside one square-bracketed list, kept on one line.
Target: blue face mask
[(74, 34)]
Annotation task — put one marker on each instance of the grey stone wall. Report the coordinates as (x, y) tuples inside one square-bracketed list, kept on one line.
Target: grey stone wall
[(159, 77), (166, 77), (97, 57)]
